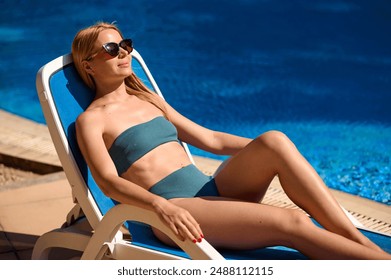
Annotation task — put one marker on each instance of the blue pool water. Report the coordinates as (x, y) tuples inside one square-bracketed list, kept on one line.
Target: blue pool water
[(320, 71)]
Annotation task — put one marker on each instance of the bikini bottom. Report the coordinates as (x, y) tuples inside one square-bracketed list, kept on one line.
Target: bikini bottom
[(186, 182)]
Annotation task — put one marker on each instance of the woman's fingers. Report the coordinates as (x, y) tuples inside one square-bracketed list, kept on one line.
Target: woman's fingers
[(180, 221), (185, 227), (191, 230), (195, 229)]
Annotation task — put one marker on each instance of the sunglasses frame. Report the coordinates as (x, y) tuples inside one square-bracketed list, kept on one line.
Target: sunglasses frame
[(126, 44)]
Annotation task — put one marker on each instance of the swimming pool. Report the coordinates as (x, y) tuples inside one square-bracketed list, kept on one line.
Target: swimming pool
[(320, 72)]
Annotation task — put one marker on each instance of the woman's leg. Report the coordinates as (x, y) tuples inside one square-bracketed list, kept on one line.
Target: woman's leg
[(245, 225), (248, 174)]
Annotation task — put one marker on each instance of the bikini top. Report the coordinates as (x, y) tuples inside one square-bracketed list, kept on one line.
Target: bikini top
[(138, 140)]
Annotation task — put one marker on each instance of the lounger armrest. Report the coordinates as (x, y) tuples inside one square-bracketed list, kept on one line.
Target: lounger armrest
[(115, 217)]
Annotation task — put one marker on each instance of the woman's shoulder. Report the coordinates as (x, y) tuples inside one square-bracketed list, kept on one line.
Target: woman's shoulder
[(87, 115), (89, 118)]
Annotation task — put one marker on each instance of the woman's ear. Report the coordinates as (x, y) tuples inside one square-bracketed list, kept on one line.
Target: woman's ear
[(87, 67)]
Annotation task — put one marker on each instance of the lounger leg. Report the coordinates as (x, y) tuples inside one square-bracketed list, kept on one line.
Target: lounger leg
[(59, 239)]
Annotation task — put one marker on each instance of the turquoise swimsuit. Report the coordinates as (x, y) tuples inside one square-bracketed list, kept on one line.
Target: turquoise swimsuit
[(138, 140)]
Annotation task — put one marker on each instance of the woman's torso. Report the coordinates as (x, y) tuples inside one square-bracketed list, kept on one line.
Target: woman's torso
[(119, 116)]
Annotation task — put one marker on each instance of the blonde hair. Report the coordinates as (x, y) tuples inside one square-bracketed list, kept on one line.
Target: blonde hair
[(83, 46)]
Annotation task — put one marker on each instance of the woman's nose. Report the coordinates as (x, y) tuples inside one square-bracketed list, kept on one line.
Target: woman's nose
[(123, 52)]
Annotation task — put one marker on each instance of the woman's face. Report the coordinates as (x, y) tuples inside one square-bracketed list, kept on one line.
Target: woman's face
[(103, 66)]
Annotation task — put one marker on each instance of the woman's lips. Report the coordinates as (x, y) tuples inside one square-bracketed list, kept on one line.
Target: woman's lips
[(123, 65)]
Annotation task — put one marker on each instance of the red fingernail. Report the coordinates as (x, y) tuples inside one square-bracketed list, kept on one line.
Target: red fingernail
[(199, 240), (202, 236), (194, 240)]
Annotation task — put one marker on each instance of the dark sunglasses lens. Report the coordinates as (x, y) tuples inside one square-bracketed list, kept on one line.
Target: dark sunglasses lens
[(112, 49), (127, 44)]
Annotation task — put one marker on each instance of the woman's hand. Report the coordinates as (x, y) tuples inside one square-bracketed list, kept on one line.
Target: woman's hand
[(179, 220)]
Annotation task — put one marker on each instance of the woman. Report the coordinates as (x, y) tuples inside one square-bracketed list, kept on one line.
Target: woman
[(128, 137)]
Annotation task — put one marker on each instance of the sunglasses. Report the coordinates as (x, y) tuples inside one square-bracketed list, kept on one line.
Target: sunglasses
[(113, 48)]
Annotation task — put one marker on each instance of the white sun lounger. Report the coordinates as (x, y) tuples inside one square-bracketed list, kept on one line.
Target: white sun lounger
[(95, 225)]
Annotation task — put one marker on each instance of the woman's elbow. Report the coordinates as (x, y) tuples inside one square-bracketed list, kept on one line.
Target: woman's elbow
[(107, 184)]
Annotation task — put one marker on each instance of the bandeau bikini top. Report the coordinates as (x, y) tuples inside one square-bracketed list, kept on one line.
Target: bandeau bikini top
[(138, 140)]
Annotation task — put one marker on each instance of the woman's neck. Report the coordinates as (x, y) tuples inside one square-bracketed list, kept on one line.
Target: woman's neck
[(110, 90)]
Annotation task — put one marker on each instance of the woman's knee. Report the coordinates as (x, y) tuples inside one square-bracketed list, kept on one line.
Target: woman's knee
[(296, 222), (288, 227), (275, 141)]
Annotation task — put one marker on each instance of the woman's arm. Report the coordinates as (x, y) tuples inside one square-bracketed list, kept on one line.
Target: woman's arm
[(206, 139), (90, 141)]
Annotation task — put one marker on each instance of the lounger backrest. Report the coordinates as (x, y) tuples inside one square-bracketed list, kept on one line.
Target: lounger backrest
[(63, 97)]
